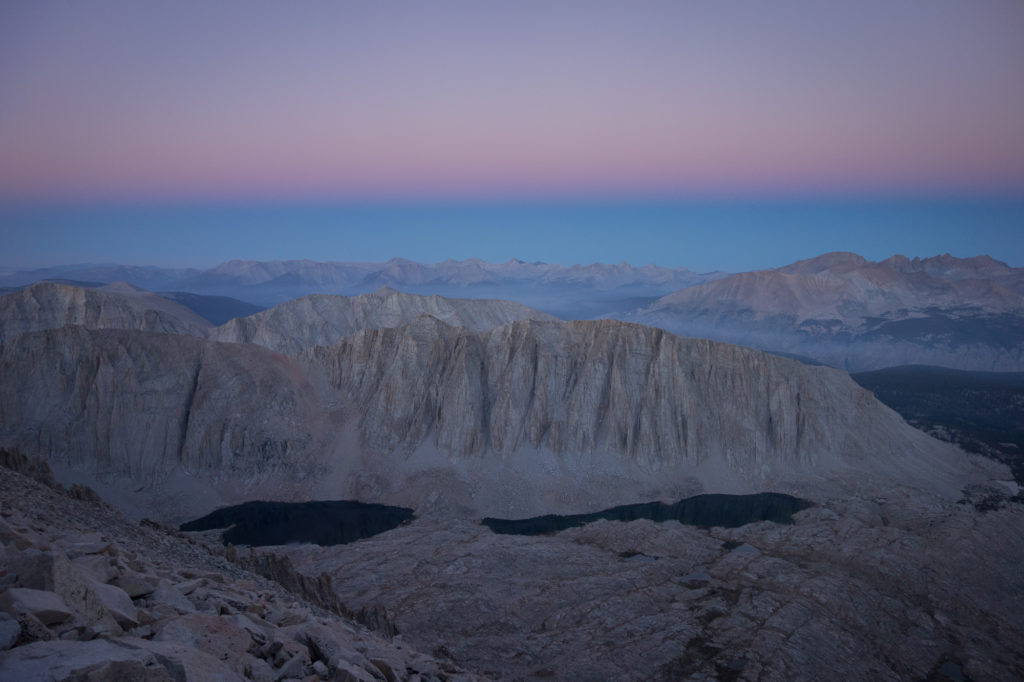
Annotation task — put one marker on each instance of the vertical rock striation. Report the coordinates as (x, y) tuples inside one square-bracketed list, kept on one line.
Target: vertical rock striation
[(141, 404), (637, 393)]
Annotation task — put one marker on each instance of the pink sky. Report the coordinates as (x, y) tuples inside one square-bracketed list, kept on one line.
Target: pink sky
[(362, 99)]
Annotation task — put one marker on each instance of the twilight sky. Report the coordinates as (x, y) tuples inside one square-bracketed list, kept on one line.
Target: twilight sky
[(728, 235), (210, 100), (713, 135)]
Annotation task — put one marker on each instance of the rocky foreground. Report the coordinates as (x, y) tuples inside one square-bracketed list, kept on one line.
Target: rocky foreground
[(859, 588), (86, 595), (871, 588)]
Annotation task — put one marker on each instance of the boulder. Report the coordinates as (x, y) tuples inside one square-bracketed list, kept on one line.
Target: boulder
[(136, 585), (327, 645), (347, 672), (209, 633), (183, 662), (168, 594), (32, 568), (294, 667), (95, 567), (117, 603), (257, 669), (77, 549), (48, 607), (95, 660), (50, 571)]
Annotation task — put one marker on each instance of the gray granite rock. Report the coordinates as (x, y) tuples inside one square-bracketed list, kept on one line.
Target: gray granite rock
[(117, 603), (59, 660), (10, 630), (48, 607), (874, 589)]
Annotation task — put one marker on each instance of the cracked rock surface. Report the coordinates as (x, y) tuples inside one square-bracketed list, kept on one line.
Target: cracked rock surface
[(867, 588)]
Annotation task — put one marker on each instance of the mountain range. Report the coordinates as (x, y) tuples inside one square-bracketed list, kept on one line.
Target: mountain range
[(574, 291), (848, 312), (484, 406), (837, 309), (903, 563)]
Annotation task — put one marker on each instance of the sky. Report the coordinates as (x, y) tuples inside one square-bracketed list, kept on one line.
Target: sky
[(726, 235), (191, 132), (213, 99)]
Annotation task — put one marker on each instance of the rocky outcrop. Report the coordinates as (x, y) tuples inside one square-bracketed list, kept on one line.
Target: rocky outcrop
[(118, 306), (846, 311), (321, 320), (164, 608)]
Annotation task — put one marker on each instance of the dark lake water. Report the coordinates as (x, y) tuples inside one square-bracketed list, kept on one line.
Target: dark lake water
[(281, 523), (729, 511)]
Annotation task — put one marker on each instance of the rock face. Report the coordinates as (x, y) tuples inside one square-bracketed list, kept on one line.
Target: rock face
[(849, 312), (207, 620), (321, 320), (119, 306), (142, 406), (525, 419), (621, 396)]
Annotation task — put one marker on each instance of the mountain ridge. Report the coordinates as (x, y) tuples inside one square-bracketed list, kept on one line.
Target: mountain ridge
[(849, 312), (529, 417), (48, 305), (322, 319)]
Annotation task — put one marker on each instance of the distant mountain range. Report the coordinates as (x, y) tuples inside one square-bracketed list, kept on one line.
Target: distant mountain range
[(848, 312), (839, 309), (577, 291)]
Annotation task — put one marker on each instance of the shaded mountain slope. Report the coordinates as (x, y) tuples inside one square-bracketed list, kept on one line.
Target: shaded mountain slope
[(214, 309), (142, 406), (981, 412)]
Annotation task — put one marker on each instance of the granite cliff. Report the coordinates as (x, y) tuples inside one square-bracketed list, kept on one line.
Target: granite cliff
[(529, 417), (582, 410), (157, 411)]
